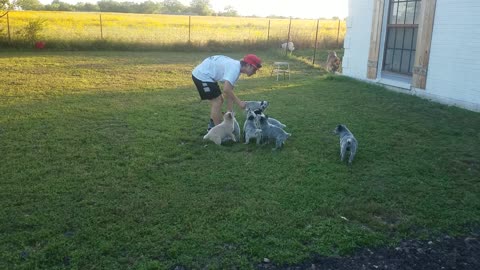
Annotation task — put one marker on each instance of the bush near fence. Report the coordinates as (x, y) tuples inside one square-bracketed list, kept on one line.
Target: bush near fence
[(82, 30)]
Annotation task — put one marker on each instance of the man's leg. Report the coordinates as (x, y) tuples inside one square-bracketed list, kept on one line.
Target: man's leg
[(216, 109)]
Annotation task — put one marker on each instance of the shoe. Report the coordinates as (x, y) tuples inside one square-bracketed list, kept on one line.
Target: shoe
[(210, 124)]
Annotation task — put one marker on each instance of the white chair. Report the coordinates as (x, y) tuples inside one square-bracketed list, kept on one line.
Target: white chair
[(281, 68)]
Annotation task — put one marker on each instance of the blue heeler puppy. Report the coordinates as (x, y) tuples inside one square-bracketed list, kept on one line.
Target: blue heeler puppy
[(256, 106), (271, 132), (272, 121), (347, 142), (275, 122), (251, 128)]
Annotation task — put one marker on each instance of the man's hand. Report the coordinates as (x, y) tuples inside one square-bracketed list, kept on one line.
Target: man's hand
[(242, 104)]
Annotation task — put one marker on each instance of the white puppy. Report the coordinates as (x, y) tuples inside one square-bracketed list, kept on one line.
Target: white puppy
[(290, 46), (222, 130), (236, 131)]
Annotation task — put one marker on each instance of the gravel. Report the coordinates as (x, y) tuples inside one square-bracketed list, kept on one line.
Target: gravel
[(443, 253)]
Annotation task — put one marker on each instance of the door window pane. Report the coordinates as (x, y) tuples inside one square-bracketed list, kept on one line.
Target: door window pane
[(397, 57), (393, 13), (402, 9), (391, 39), (407, 41), (410, 13), (405, 62), (401, 36)]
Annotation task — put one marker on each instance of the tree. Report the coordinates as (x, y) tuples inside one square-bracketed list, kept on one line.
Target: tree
[(201, 7), (30, 4), (86, 7), (112, 6), (58, 5), (6, 5), (149, 7), (228, 11), (173, 7)]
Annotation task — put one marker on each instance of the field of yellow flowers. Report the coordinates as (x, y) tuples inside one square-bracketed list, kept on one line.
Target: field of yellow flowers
[(63, 29)]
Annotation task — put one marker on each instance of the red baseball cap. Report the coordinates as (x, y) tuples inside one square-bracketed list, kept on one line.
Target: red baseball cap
[(253, 60)]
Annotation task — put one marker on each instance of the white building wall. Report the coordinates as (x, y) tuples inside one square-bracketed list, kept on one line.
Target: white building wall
[(454, 68), (357, 39)]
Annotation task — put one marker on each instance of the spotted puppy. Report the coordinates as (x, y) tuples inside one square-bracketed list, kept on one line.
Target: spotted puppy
[(256, 106), (273, 121), (222, 130), (347, 143), (272, 133), (259, 107), (251, 128)]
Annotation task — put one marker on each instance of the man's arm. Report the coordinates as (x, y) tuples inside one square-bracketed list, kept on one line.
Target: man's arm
[(231, 98)]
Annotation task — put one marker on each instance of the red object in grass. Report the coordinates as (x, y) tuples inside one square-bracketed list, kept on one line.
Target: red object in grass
[(39, 45)]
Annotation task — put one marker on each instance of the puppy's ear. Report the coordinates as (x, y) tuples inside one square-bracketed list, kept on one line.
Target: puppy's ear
[(264, 104)]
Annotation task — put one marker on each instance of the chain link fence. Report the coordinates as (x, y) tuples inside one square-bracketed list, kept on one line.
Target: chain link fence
[(81, 30)]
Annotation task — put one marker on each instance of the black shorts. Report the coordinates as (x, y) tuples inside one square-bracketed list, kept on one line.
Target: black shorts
[(207, 90)]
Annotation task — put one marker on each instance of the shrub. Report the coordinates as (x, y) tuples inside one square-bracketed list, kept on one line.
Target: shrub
[(31, 32)]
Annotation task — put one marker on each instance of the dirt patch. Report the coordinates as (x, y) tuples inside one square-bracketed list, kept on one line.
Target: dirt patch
[(441, 253)]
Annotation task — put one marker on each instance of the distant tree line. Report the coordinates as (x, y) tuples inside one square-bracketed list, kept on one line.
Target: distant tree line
[(196, 7), (174, 7)]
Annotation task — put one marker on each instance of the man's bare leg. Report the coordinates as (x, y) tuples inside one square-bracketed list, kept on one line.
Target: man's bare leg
[(216, 109)]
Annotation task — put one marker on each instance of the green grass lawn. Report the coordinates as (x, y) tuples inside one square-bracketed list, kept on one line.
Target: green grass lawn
[(103, 166)]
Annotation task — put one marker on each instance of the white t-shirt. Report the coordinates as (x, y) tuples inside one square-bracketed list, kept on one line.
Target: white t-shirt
[(218, 68)]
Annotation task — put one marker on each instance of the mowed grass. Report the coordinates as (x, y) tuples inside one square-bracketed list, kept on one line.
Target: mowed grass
[(103, 166)]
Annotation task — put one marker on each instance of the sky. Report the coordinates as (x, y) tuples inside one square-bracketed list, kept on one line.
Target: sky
[(311, 9)]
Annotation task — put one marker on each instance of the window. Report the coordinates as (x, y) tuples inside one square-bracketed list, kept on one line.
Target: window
[(401, 38)]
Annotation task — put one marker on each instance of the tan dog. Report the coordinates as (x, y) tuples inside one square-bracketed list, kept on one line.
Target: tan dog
[(222, 130), (333, 62)]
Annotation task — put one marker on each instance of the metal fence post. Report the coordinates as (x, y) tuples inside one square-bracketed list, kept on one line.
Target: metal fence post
[(338, 31), (8, 27), (101, 26), (268, 32), (315, 48)]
